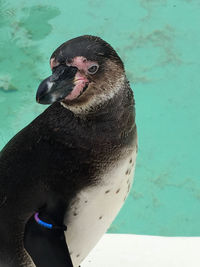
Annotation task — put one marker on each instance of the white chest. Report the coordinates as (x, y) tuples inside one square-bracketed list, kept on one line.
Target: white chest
[(94, 208)]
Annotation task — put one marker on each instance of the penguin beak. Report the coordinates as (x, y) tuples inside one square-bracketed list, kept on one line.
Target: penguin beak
[(57, 86)]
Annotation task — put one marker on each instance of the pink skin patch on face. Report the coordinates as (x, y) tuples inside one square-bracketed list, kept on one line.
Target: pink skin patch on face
[(80, 82), (81, 63), (80, 79), (53, 62)]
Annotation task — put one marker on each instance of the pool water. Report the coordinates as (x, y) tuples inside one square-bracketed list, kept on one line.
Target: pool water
[(159, 42)]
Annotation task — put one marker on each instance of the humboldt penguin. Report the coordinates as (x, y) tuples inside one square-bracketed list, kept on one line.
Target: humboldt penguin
[(65, 176)]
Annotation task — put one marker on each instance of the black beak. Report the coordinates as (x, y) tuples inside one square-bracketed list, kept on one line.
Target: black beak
[(57, 86)]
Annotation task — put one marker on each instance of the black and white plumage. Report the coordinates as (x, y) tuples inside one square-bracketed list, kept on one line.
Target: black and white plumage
[(75, 162)]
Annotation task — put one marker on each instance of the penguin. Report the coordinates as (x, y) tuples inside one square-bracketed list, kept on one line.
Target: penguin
[(65, 176)]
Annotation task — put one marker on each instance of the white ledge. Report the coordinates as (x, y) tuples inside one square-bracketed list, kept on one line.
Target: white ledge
[(119, 250)]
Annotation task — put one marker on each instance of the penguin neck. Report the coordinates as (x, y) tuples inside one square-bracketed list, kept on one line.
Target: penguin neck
[(111, 122), (115, 119), (114, 109)]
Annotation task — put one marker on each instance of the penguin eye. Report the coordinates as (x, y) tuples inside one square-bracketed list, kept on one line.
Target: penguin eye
[(93, 69)]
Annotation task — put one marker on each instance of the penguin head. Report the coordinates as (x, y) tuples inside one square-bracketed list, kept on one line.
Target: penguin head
[(86, 73)]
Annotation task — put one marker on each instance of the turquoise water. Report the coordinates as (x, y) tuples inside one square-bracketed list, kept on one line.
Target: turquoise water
[(159, 42)]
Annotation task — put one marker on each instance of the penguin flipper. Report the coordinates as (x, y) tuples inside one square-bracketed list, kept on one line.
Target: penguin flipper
[(46, 247)]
